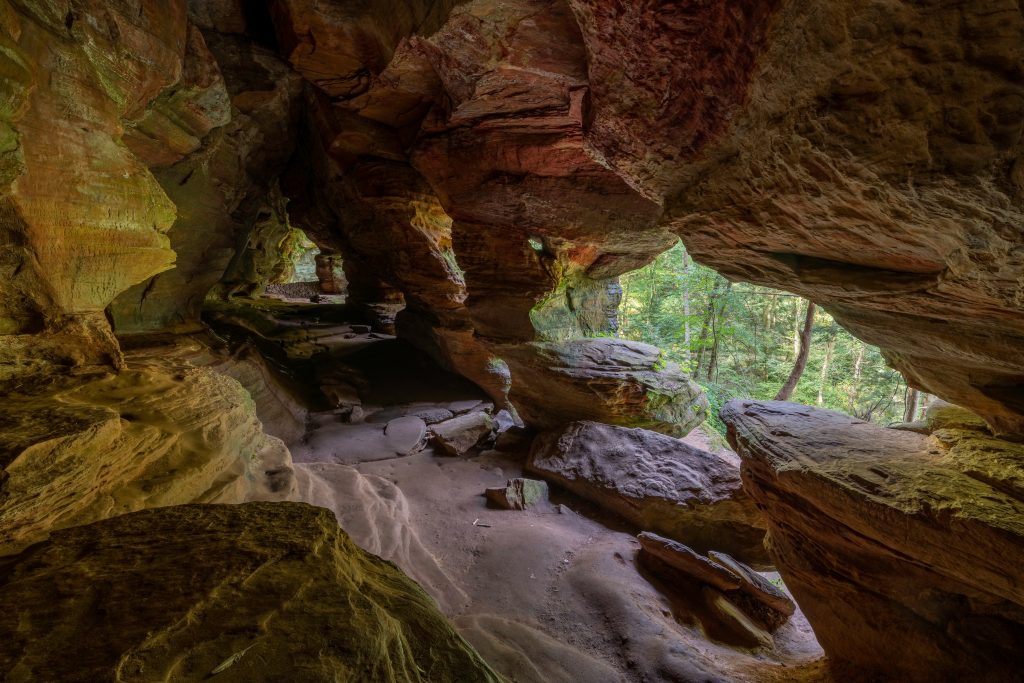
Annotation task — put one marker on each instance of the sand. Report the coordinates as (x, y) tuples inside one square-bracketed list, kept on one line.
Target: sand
[(549, 594)]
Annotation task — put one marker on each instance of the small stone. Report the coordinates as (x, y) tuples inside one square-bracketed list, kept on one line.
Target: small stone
[(406, 435), (518, 494)]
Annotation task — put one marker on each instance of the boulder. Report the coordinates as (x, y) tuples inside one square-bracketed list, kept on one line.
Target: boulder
[(903, 550), (605, 380), (518, 494), (262, 591), (656, 482), (461, 434)]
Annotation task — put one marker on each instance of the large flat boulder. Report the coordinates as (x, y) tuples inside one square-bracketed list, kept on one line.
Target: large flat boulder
[(904, 550), (606, 380), (255, 592), (656, 482)]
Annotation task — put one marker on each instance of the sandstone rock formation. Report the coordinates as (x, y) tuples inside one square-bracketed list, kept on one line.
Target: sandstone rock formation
[(158, 433), (605, 380), (903, 550), (741, 584), (269, 592), (656, 482), (485, 171), (875, 167)]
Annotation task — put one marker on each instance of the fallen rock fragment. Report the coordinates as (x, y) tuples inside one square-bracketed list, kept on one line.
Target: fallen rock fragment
[(735, 619), (683, 559), (459, 435), (744, 587), (756, 586), (518, 494), (656, 482)]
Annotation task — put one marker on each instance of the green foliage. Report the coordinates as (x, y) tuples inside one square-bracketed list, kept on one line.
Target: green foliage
[(742, 341)]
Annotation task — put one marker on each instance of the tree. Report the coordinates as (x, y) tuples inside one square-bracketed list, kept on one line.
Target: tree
[(741, 340), (910, 412), (801, 358), (830, 347)]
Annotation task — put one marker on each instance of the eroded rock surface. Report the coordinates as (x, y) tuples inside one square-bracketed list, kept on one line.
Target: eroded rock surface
[(460, 435), (875, 166), (606, 380), (903, 550), (656, 482), (159, 433), (269, 592)]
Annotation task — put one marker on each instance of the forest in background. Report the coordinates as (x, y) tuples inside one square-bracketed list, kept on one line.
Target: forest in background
[(742, 341)]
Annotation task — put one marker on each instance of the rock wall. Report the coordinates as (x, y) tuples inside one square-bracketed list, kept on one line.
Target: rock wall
[(161, 432), (877, 169), (903, 549)]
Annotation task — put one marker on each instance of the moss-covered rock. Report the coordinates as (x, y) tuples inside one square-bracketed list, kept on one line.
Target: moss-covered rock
[(254, 592)]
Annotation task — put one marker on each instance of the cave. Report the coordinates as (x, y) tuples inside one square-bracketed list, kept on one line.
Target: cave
[(311, 366)]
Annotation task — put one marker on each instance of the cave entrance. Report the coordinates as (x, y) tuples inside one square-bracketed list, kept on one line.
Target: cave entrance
[(741, 340), (308, 273)]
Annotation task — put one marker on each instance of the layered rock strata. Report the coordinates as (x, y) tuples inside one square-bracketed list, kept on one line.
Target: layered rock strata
[(606, 380), (158, 433), (903, 550)]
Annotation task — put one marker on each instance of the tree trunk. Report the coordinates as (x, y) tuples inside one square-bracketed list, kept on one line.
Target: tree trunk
[(801, 357), (910, 412), (686, 310), (855, 386), (717, 313), (796, 329), (824, 365)]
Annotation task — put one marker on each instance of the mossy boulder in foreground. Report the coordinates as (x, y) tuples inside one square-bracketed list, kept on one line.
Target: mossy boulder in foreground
[(253, 592)]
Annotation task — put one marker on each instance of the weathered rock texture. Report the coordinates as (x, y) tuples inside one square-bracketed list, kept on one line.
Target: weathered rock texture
[(903, 550), (493, 167), (656, 482), (158, 433), (268, 592), (607, 380), (875, 166), (518, 494)]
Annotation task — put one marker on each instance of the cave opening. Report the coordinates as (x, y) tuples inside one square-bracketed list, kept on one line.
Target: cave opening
[(740, 341), (535, 340)]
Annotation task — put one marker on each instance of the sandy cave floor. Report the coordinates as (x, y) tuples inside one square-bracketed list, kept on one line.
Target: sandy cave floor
[(552, 594)]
